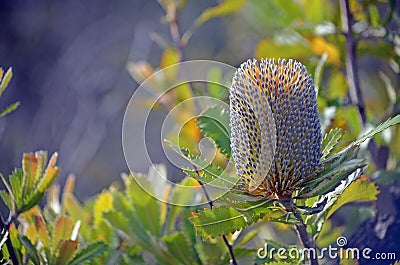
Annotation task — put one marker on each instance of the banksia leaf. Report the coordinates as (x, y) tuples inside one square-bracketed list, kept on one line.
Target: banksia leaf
[(49, 175), (330, 140), (218, 221), (276, 135), (42, 232), (214, 123), (66, 251), (89, 253)]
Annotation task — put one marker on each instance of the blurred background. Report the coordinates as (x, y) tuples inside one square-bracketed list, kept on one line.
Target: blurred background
[(70, 59)]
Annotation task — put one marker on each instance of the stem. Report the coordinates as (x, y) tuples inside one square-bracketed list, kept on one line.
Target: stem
[(229, 246), (301, 229), (353, 78)]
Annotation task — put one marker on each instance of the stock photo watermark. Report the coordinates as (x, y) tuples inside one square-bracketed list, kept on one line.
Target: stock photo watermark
[(331, 252)]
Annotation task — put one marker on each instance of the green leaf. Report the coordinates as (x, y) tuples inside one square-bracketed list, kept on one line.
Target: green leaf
[(6, 199), (10, 108), (208, 173), (126, 220), (216, 87), (30, 249), (66, 250), (374, 15), (214, 123), (334, 178), (179, 248), (381, 127), (218, 221), (5, 80), (33, 200), (43, 233), (89, 253), (49, 175), (16, 179), (358, 190), (330, 140), (180, 195), (226, 7), (252, 210), (147, 208)]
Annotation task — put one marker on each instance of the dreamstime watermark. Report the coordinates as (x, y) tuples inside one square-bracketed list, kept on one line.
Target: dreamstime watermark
[(330, 252)]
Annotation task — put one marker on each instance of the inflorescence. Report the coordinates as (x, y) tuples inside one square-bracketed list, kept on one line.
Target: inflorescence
[(276, 134)]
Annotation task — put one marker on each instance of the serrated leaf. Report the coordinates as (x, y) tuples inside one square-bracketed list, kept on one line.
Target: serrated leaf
[(62, 230), (31, 201), (41, 157), (211, 172), (89, 253), (381, 127), (360, 189), (66, 250), (330, 140), (252, 210), (29, 169), (218, 221), (43, 233), (332, 163), (333, 178), (103, 203), (49, 175), (16, 179), (30, 249), (214, 123)]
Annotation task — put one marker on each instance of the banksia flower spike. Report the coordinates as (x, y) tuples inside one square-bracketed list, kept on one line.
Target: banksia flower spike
[(276, 135)]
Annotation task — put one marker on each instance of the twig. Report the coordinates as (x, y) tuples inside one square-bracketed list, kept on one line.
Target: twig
[(353, 78), (301, 229), (210, 202)]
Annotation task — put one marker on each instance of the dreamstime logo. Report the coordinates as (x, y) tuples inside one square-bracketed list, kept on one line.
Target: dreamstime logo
[(143, 128), (330, 252)]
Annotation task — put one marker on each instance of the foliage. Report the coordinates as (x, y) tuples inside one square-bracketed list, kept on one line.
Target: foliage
[(4, 81)]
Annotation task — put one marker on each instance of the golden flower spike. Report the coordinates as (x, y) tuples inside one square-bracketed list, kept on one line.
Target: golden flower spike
[(276, 134)]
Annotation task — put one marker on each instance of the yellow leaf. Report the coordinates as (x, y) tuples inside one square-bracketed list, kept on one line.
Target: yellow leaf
[(170, 57), (62, 229), (103, 204), (225, 8), (43, 233), (31, 233), (360, 190), (319, 46)]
